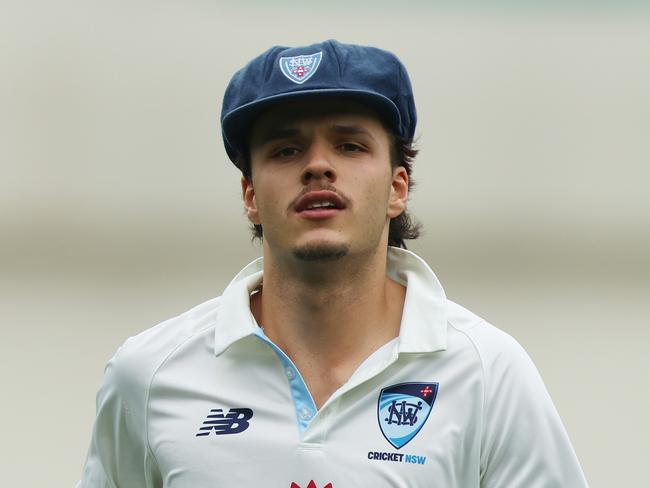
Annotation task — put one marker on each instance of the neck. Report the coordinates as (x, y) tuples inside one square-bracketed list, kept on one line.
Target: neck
[(329, 316)]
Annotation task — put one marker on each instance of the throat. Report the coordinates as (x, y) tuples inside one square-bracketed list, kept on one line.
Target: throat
[(329, 334), (322, 384)]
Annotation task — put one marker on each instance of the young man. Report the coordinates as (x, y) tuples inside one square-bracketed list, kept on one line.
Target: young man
[(336, 360)]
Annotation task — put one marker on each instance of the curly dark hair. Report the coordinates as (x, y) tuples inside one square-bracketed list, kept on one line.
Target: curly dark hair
[(401, 227)]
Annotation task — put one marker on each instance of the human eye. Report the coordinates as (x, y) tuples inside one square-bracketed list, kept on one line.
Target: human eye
[(286, 152), (351, 147)]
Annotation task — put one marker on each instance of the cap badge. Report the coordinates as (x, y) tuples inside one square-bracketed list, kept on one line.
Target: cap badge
[(300, 68)]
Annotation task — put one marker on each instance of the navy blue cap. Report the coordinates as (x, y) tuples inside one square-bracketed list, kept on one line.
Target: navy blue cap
[(369, 75)]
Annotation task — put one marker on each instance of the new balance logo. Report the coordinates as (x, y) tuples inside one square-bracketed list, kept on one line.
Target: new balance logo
[(234, 422)]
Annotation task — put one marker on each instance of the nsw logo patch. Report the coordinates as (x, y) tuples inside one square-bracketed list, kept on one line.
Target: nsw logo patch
[(403, 409), (300, 68)]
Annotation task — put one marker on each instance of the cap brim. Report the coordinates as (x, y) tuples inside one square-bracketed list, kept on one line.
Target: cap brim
[(236, 124)]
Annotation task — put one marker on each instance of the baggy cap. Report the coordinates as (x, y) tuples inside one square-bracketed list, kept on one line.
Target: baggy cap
[(369, 75)]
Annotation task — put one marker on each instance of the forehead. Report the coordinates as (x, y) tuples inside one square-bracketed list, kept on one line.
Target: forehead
[(306, 113)]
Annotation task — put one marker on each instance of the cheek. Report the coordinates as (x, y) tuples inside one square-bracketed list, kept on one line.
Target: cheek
[(270, 198), (373, 199), (377, 185), (267, 202)]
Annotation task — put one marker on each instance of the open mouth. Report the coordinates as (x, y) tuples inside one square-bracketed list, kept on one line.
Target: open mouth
[(314, 205), (319, 204)]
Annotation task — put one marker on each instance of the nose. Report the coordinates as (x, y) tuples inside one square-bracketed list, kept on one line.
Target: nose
[(318, 165)]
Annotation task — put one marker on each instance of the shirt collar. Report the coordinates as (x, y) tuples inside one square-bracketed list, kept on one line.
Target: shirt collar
[(424, 318)]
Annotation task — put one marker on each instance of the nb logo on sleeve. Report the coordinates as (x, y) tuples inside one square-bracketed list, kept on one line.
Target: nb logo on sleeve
[(234, 422)]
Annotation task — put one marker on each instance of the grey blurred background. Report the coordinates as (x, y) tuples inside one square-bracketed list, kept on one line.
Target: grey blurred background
[(119, 209)]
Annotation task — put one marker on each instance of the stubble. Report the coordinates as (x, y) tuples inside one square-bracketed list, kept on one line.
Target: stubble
[(321, 252)]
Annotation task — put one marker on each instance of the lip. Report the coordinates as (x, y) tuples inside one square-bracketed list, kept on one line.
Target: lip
[(319, 213), (319, 196)]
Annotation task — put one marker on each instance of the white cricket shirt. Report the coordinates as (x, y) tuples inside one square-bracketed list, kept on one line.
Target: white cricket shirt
[(206, 400)]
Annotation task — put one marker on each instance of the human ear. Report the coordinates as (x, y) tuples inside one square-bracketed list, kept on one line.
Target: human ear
[(250, 205), (399, 192)]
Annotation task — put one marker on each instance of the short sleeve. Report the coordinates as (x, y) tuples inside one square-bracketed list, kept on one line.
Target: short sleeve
[(524, 444), (118, 456)]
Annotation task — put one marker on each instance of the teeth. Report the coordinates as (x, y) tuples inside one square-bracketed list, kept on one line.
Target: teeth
[(320, 205)]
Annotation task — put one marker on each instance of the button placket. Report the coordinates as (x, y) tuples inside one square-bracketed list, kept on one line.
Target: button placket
[(305, 408), (291, 374), (305, 413)]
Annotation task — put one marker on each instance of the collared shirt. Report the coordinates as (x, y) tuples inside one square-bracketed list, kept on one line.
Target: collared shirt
[(207, 400)]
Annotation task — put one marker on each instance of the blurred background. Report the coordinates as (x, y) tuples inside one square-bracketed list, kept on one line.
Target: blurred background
[(119, 208)]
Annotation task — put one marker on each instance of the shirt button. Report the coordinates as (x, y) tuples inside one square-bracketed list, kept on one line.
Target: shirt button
[(290, 373), (305, 414)]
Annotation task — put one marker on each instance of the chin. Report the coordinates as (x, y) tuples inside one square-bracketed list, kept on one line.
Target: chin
[(321, 251)]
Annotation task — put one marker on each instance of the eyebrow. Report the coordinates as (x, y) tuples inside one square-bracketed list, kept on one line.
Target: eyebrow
[(279, 133), (351, 130)]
